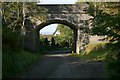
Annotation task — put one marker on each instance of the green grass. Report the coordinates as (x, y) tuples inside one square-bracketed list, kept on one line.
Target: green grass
[(95, 52), (15, 63), (107, 53)]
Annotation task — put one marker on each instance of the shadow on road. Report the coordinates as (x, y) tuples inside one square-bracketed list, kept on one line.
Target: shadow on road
[(58, 64)]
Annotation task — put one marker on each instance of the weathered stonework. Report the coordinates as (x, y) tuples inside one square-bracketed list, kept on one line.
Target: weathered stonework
[(73, 16)]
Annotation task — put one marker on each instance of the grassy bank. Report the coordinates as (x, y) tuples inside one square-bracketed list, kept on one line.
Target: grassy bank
[(15, 63), (107, 53), (94, 52)]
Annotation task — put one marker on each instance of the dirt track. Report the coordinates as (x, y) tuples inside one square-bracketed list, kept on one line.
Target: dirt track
[(60, 65)]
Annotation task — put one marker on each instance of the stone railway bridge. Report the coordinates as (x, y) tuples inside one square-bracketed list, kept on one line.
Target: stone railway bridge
[(74, 16)]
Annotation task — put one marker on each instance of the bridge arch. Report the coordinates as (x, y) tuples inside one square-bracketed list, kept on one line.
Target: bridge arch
[(58, 21), (48, 22), (73, 16)]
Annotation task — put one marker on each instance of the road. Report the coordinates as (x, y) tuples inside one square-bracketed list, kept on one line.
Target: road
[(60, 64)]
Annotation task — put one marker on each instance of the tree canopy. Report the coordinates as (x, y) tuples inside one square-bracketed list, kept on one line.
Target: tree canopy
[(14, 13), (66, 35), (106, 19)]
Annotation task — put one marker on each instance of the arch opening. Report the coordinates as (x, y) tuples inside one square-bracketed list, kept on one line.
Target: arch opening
[(63, 22)]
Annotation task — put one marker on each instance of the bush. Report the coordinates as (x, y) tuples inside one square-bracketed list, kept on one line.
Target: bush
[(13, 64), (112, 62), (14, 60), (11, 40)]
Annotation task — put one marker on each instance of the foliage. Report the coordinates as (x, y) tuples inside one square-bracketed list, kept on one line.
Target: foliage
[(11, 23), (41, 40), (53, 46), (66, 35), (35, 12), (46, 42), (96, 52), (52, 42), (106, 23), (106, 20), (94, 47), (112, 62), (14, 59), (13, 13), (108, 54), (13, 18), (10, 40), (13, 64), (112, 65)]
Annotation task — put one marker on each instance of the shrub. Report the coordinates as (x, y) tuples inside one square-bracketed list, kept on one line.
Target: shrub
[(13, 64), (11, 40), (112, 62)]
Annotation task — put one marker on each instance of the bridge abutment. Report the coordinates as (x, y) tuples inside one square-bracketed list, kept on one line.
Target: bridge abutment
[(30, 41), (78, 41)]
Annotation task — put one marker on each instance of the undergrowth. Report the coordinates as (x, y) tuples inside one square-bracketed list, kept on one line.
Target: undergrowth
[(96, 51), (15, 63)]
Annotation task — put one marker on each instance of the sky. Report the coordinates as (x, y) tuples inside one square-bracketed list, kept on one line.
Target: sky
[(50, 29), (57, 1)]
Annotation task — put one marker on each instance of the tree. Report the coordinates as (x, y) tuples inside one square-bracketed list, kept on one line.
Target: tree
[(66, 34), (46, 42), (13, 17), (106, 20), (52, 42), (11, 23), (14, 13)]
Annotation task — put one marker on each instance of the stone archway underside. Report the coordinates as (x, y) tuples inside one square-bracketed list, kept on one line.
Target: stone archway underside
[(74, 16)]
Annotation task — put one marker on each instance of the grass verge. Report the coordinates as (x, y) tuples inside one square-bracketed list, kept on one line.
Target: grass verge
[(107, 53), (15, 63), (94, 52)]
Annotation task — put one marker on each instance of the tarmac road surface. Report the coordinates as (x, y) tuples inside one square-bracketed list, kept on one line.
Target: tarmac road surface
[(60, 65)]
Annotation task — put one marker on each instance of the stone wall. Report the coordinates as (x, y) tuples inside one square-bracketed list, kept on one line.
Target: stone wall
[(29, 37)]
